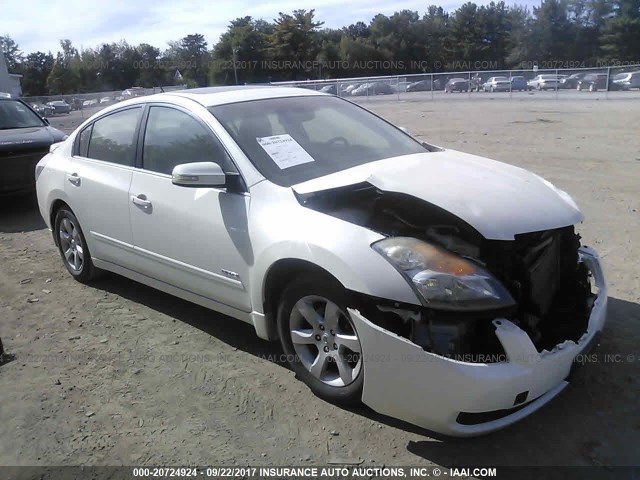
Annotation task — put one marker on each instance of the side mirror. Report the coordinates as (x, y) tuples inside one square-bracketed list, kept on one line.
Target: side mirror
[(198, 174)]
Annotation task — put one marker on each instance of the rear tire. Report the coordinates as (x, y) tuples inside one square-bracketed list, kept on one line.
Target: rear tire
[(326, 355), (73, 246)]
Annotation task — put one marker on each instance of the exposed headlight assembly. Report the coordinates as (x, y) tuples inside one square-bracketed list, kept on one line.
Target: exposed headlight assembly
[(443, 280)]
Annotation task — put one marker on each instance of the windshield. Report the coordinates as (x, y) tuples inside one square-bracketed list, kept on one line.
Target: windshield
[(292, 140), (15, 114)]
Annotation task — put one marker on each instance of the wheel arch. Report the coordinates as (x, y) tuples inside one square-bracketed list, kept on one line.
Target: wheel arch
[(278, 276), (56, 205)]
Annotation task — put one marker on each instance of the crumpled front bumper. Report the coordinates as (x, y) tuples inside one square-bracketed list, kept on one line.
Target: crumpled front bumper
[(403, 381)]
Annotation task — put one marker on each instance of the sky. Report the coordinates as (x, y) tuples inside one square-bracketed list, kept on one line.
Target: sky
[(89, 23)]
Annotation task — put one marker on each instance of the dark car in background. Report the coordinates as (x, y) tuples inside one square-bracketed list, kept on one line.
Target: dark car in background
[(626, 81), (571, 81), (518, 83), (593, 82), (457, 85), (420, 86), (59, 107), (25, 137)]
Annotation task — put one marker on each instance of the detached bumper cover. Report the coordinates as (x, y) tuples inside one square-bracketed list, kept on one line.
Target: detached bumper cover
[(403, 381)]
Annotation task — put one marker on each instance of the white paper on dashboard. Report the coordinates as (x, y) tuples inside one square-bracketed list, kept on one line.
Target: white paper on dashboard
[(284, 151)]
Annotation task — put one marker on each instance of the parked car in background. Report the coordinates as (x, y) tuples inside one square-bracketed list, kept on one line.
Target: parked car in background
[(350, 88), (372, 88), (626, 81), (465, 291), (439, 83), (42, 109), (133, 92), (89, 103), (105, 100), (518, 83), (497, 84), (476, 83), (76, 104), (456, 85), (420, 86), (59, 107), (571, 81), (544, 82), (25, 137), (593, 82), (331, 89)]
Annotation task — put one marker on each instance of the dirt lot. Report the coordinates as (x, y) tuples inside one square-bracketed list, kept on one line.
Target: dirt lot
[(119, 374)]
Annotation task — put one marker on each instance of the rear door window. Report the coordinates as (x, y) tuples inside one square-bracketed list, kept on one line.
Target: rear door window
[(113, 138)]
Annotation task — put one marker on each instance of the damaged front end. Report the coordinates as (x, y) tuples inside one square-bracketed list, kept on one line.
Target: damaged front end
[(537, 281), (521, 311)]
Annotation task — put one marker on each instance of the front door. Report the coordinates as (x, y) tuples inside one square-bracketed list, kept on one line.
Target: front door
[(192, 238)]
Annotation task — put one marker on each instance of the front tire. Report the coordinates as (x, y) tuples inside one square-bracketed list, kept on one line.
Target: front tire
[(319, 338), (73, 246)]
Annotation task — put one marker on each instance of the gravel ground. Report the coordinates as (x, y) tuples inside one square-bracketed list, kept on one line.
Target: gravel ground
[(117, 373)]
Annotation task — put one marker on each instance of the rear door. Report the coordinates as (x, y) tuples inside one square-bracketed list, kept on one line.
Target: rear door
[(98, 180), (192, 238)]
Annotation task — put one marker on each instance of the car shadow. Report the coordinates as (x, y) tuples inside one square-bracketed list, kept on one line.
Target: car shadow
[(588, 394), (20, 213), (234, 333)]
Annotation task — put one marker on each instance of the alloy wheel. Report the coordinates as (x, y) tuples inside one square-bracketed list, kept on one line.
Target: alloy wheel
[(325, 341), (71, 244)]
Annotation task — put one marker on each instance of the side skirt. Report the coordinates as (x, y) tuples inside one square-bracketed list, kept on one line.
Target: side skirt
[(254, 318)]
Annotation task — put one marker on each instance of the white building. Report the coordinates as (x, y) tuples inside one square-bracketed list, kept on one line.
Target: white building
[(9, 82)]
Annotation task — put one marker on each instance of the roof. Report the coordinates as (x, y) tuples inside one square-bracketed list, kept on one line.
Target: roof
[(211, 96)]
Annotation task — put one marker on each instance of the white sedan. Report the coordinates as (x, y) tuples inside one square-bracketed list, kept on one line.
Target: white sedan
[(435, 286)]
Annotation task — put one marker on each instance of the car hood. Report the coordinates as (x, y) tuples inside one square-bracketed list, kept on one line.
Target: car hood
[(17, 139), (497, 199)]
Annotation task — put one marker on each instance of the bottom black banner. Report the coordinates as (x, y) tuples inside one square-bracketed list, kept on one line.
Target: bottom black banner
[(315, 472)]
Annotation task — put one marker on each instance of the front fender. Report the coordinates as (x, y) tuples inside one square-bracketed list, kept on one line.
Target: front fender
[(283, 229)]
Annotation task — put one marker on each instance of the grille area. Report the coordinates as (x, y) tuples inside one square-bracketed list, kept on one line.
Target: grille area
[(18, 168), (552, 289)]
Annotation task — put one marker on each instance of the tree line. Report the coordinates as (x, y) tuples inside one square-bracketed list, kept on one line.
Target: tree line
[(297, 46)]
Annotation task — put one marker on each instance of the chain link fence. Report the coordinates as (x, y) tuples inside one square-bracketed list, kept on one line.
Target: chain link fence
[(89, 103), (608, 82)]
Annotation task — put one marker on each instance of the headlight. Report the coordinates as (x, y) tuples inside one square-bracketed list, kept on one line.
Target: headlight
[(445, 281)]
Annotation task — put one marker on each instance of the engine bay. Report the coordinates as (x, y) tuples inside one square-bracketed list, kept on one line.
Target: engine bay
[(541, 270)]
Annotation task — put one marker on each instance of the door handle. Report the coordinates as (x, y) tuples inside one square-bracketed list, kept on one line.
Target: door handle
[(141, 201), (74, 179)]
